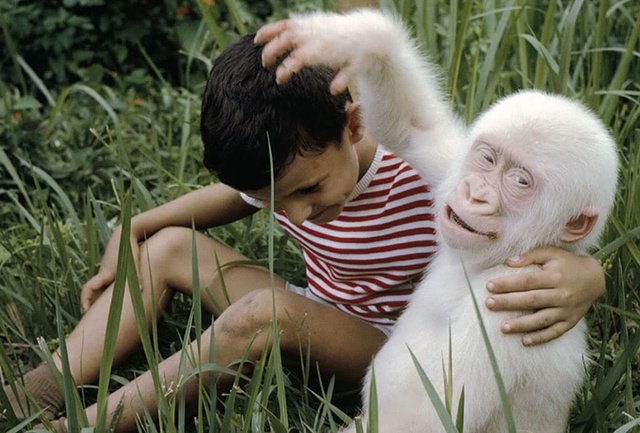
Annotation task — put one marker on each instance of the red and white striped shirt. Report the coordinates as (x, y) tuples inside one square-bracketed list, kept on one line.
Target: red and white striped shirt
[(366, 261)]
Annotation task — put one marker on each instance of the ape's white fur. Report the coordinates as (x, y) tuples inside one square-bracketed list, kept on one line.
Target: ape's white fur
[(575, 163)]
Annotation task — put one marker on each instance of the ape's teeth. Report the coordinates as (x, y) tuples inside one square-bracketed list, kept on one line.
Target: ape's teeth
[(461, 223)]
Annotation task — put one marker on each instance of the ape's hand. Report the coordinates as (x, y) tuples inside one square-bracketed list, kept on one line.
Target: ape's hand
[(349, 44)]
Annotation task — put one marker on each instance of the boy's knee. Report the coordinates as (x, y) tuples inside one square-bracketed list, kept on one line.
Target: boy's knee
[(251, 318), (161, 253), (165, 245), (248, 316)]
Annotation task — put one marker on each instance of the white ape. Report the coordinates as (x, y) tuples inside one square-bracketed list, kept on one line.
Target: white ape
[(533, 170)]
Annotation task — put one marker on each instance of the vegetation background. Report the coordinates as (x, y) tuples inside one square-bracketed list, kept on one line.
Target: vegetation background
[(99, 111)]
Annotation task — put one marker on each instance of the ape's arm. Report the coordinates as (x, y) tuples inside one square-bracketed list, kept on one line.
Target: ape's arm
[(402, 103)]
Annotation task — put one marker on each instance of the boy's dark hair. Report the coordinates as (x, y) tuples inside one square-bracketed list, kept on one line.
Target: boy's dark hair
[(243, 105)]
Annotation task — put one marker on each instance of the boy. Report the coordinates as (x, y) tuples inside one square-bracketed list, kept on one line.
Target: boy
[(361, 214)]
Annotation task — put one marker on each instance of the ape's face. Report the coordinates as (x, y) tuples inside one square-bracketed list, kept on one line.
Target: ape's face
[(496, 187)]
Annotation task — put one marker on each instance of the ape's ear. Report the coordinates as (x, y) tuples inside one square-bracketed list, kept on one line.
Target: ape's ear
[(580, 226)]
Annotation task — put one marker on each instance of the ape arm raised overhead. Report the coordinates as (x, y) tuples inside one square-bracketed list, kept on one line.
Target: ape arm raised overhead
[(403, 106)]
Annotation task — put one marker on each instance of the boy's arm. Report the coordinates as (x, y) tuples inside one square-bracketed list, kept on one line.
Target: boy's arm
[(560, 293), (403, 106), (210, 206)]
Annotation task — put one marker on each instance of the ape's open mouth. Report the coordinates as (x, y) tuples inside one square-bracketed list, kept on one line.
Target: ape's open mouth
[(460, 222)]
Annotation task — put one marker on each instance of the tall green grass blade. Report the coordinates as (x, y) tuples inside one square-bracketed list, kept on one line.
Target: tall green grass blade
[(7, 369), (13, 53), (113, 318), (447, 376), (141, 323), (76, 417), (144, 193), (545, 39), (210, 13), (484, 89), (213, 392), (632, 247), (460, 412), (628, 426), (21, 427), (457, 51), (596, 55), (13, 173), (372, 421), (604, 388), (185, 355), (235, 8), (62, 250), (194, 51), (60, 102), (63, 198), (91, 246), (543, 53), (36, 80), (151, 63), (610, 101), (566, 45), (184, 139), (21, 210), (451, 35), (275, 351), (625, 239), (523, 54), (253, 393), (426, 24), (438, 405), (504, 398), (104, 231)]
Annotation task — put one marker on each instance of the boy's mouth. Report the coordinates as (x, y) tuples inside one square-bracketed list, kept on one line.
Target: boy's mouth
[(326, 214)]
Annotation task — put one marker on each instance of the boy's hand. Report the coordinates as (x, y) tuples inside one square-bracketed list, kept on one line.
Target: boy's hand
[(560, 293), (106, 275)]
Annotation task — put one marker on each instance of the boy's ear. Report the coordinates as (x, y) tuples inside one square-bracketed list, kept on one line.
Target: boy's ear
[(580, 226), (354, 122)]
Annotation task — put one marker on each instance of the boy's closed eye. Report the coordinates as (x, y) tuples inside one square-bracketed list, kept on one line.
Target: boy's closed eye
[(310, 189)]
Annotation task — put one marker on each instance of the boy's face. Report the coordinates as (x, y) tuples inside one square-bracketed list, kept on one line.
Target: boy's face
[(316, 187)]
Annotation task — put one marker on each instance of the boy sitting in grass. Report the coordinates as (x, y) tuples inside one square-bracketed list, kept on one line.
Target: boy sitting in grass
[(362, 216)]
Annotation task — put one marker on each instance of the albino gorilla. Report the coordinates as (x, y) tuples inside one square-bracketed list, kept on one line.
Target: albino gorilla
[(533, 170)]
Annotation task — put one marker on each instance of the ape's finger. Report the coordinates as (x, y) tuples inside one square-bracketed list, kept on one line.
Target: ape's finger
[(341, 80), (278, 46), (289, 66), (270, 31)]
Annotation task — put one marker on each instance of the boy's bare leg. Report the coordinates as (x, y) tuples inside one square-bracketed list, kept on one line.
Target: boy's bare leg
[(342, 345), (164, 267)]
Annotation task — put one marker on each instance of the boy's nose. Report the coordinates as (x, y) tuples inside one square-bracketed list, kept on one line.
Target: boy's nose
[(297, 212)]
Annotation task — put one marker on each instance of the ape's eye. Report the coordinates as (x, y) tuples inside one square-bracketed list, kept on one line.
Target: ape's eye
[(487, 156), (520, 177)]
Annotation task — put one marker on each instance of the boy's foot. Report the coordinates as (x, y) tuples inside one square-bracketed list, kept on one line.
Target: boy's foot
[(42, 390), (59, 425)]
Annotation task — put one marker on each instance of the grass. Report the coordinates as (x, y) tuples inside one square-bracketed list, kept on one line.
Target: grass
[(77, 160)]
